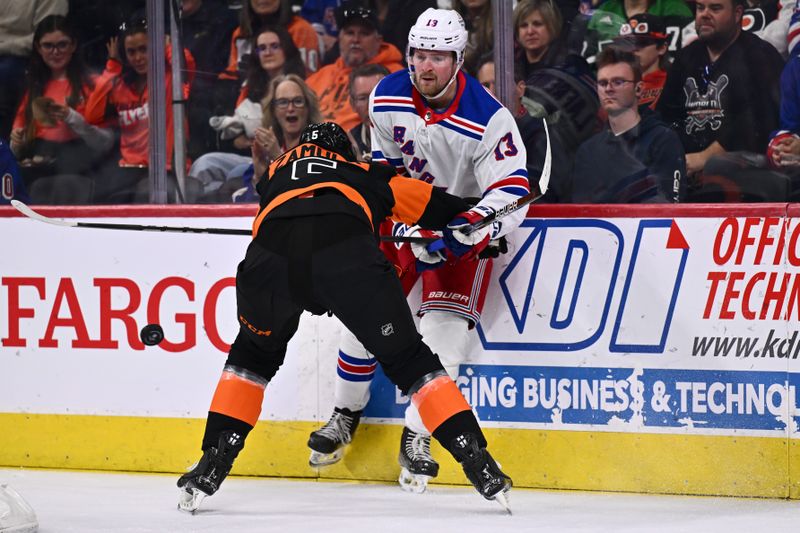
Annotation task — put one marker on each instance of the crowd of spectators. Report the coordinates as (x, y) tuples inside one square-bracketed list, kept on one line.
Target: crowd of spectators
[(646, 100)]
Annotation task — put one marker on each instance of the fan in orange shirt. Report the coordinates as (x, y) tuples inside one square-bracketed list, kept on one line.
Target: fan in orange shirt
[(359, 43), (50, 136), (122, 92)]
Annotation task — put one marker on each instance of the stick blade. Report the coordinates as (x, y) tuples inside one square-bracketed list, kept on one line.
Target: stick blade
[(544, 179), (30, 213)]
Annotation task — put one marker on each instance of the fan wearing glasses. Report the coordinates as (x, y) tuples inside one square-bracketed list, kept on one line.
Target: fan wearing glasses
[(635, 159), (50, 136), (275, 55), (722, 92)]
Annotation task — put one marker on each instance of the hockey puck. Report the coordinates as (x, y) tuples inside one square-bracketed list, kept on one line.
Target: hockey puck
[(151, 334)]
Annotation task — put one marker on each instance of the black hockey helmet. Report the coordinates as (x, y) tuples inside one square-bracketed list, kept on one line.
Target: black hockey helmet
[(330, 136)]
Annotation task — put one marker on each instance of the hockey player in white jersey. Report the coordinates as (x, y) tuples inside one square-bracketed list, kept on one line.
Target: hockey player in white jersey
[(438, 124)]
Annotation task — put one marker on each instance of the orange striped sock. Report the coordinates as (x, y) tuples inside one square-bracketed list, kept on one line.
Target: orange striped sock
[(439, 400), (239, 395)]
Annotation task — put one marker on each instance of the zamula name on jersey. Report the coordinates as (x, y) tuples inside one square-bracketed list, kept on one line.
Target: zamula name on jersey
[(306, 150)]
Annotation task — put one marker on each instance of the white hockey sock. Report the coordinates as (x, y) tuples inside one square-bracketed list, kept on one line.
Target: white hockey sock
[(447, 336), (355, 370)]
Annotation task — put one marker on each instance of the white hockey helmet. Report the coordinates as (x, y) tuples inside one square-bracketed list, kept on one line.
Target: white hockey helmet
[(440, 30)]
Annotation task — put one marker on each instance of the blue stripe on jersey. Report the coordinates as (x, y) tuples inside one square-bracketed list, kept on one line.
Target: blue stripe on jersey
[(521, 172), (395, 84), (399, 109), (462, 131), (347, 376), (517, 191)]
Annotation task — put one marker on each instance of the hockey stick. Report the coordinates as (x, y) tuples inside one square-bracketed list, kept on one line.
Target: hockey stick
[(30, 213), (544, 180)]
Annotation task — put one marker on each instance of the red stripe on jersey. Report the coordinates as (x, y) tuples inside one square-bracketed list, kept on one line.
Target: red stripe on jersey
[(355, 369), (511, 180), (387, 100), (467, 125)]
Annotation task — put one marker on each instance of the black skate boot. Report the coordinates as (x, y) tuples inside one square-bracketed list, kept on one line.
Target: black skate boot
[(207, 475), (328, 442), (481, 469), (418, 466)]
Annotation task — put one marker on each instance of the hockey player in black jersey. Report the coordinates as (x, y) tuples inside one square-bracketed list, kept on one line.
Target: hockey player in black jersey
[(315, 248)]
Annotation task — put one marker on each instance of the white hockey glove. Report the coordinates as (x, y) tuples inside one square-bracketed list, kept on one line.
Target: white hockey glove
[(426, 259)]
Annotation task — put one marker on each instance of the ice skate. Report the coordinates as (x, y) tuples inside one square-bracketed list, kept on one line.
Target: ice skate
[(418, 466), (329, 442), (482, 470), (205, 477)]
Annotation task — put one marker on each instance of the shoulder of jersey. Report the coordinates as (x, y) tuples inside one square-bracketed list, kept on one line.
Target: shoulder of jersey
[(477, 103)]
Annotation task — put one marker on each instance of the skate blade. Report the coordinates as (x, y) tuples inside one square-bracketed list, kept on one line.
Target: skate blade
[(319, 459), (502, 498), (414, 483), (190, 499)]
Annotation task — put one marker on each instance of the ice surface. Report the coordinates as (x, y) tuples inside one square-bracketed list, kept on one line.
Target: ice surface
[(110, 502)]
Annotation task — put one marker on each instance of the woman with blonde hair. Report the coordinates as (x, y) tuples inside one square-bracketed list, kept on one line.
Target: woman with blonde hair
[(537, 33), (289, 106)]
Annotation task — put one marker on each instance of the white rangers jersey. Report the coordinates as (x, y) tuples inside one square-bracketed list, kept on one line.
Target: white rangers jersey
[(471, 149)]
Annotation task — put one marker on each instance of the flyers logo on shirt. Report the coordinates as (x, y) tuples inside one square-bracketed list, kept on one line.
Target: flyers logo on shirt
[(129, 117)]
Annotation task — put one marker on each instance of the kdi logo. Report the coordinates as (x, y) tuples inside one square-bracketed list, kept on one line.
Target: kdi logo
[(570, 279)]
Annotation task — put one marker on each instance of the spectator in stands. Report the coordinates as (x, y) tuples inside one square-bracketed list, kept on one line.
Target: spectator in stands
[(206, 29), (290, 105), (646, 36), (51, 138), (275, 54), (608, 18), (532, 131), (360, 43), (120, 97), (751, 177), (537, 31), (722, 91), (11, 184), (18, 20), (257, 13), (395, 18), (477, 15), (321, 15), (634, 159), (768, 19), (362, 80)]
